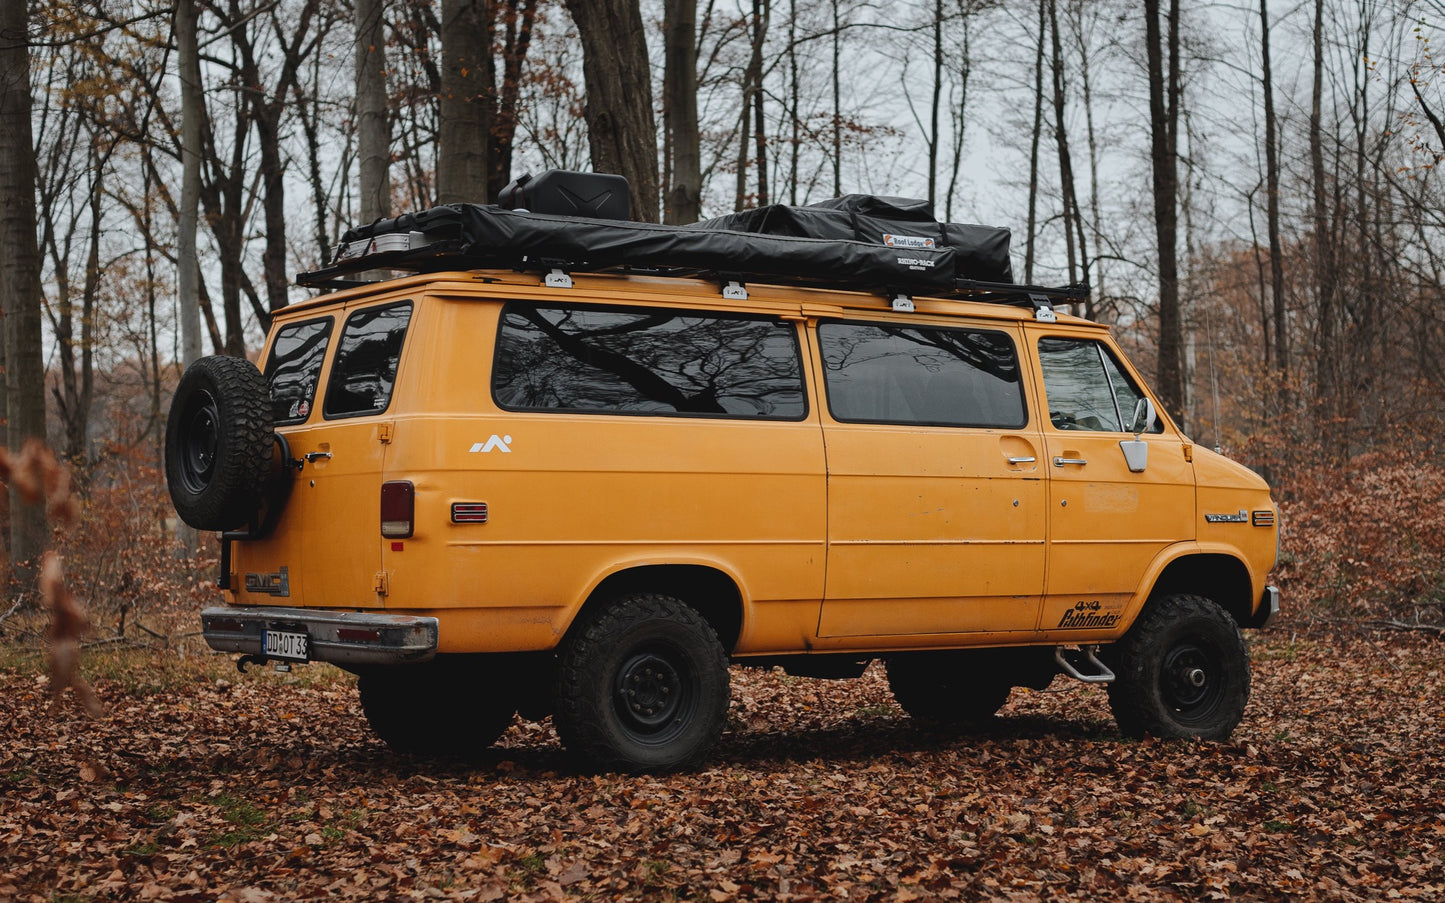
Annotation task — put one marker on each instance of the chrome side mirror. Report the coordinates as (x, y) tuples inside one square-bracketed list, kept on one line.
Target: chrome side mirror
[(1143, 419)]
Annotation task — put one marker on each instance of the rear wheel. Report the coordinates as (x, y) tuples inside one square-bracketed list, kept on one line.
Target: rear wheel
[(436, 709), (642, 685), (949, 689), (1182, 671)]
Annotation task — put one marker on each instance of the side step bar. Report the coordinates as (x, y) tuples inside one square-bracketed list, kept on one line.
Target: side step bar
[(1100, 671)]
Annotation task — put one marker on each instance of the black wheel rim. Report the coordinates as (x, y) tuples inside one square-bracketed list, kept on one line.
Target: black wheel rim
[(200, 441), (655, 695), (1191, 681)]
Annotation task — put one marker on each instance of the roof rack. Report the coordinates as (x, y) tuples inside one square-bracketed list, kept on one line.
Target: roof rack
[(471, 236)]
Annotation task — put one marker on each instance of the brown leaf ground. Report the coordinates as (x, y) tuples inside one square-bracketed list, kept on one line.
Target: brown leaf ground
[(200, 784)]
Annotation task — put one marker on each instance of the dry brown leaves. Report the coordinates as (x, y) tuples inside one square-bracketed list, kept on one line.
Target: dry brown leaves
[(266, 788), (38, 477)]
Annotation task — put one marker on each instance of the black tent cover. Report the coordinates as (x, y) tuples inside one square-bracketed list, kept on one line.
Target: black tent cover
[(856, 241)]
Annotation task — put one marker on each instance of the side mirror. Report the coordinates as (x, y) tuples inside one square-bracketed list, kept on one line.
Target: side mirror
[(1143, 419)]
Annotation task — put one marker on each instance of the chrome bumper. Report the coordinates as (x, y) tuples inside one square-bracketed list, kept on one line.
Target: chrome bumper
[(1268, 610), (342, 637)]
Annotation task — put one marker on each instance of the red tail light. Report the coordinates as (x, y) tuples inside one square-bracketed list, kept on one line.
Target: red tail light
[(398, 509)]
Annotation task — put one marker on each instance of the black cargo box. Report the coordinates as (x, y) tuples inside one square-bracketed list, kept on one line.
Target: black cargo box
[(597, 195)]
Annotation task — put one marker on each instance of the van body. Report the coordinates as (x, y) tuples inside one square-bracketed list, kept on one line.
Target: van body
[(502, 484)]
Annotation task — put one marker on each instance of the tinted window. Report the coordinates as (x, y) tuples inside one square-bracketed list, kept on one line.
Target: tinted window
[(294, 368), (1086, 388), (879, 373), (366, 357), (647, 362)]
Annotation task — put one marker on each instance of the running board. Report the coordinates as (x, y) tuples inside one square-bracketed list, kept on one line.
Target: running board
[(1101, 675)]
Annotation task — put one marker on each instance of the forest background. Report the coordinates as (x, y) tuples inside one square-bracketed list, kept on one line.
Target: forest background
[(1252, 190)]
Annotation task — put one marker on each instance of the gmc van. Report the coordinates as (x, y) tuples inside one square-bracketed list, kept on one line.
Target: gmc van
[(577, 466)]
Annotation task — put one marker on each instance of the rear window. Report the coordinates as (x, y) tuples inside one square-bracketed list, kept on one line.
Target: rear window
[(367, 355), (293, 369), (881, 373), (647, 361)]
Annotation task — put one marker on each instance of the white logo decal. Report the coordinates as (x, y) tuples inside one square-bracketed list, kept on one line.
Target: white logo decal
[(916, 242), (496, 443)]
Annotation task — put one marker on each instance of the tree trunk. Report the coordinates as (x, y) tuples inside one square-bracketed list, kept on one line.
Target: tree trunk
[(1276, 249), (187, 267), (464, 127), (20, 290), (684, 198), (1164, 158), (762, 14), (936, 103), (1030, 238), (620, 126), (519, 16), (1073, 219), (373, 127), (1325, 275)]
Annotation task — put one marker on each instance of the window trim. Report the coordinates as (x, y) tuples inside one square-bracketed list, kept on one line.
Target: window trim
[(1106, 356), (801, 362), (321, 373), (932, 424), (336, 353)]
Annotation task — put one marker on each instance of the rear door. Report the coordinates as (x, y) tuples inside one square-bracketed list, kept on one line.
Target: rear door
[(331, 380), (338, 493)]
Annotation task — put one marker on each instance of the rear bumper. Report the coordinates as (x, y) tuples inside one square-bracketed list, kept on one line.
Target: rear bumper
[(1268, 610), (342, 637)]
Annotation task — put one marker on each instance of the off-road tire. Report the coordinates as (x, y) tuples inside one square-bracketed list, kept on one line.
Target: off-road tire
[(219, 443), (948, 689), (1182, 671), (642, 686), (434, 709)]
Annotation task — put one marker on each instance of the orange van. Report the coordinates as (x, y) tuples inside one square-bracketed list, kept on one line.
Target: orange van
[(582, 483)]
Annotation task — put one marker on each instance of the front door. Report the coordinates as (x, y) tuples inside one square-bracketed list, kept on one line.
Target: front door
[(1107, 523), (935, 490)]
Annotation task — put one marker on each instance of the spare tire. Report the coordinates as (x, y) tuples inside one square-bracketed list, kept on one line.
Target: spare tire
[(219, 443)]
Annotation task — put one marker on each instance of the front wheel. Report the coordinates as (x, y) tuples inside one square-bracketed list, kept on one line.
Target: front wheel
[(1182, 671), (642, 686)]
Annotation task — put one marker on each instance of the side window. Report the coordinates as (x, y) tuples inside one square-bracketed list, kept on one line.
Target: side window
[(1085, 386), (644, 361), (364, 372), (879, 373), (293, 368)]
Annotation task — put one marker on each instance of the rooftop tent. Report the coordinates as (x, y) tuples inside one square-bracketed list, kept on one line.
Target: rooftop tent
[(980, 252), (856, 242)]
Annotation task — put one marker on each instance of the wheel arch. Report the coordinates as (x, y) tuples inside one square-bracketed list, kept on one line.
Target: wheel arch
[(1219, 576), (712, 592)]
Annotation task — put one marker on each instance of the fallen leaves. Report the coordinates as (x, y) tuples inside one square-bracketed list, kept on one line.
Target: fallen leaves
[(822, 790)]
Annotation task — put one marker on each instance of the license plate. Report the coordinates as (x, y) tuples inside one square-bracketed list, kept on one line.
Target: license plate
[(288, 646)]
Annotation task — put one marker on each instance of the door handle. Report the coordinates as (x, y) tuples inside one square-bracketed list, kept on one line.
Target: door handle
[(317, 456), (1022, 459), (1060, 462)]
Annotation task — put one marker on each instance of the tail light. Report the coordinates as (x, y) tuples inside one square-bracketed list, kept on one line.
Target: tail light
[(398, 509)]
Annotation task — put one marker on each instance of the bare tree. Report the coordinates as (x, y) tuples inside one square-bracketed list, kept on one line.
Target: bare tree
[(1276, 246), (465, 107), (373, 128), (620, 124), (684, 162), (1164, 92), (20, 289)]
